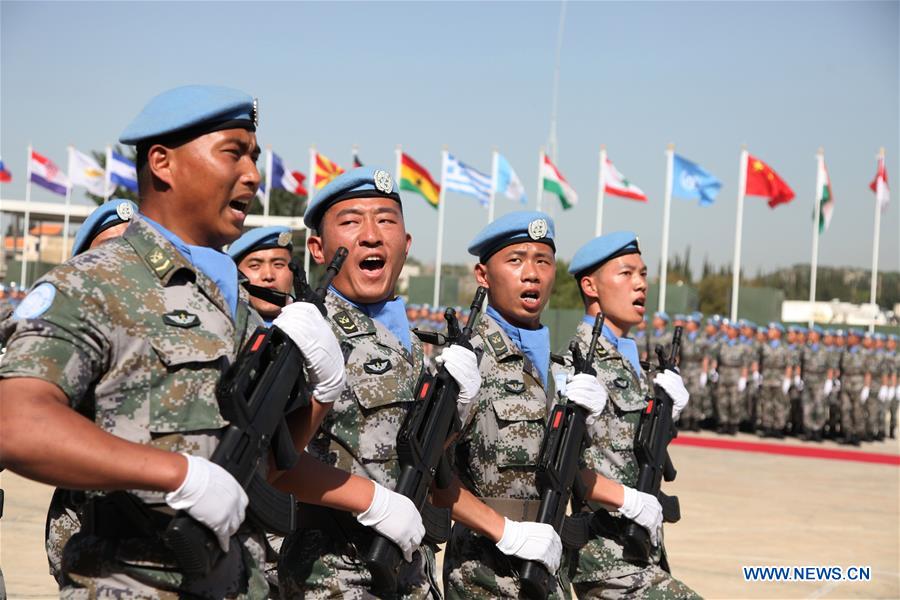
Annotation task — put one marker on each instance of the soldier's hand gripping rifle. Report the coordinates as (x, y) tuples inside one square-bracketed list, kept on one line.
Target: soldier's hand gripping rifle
[(557, 471), (655, 430), (420, 449), (265, 383)]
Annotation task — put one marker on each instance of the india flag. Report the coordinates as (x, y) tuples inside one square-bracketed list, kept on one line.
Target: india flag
[(554, 182), (824, 197)]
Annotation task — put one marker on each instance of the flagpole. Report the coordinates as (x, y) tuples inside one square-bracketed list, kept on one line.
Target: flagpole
[(310, 192), (601, 189), (23, 278), (440, 234), (107, 177), (267, 196), (65, 243), (540, 183), (817, 212), (873, 290), (494, 165), (398, 154), (354, 151), (738, 228), (664, 266)]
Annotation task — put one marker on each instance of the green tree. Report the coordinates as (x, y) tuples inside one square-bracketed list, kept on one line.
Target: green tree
[(714, 292), (565, 289)]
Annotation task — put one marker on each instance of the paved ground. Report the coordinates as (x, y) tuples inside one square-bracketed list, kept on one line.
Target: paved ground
[(739, 509)]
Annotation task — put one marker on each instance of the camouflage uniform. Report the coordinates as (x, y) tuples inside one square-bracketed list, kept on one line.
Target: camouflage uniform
[(855, 363), (751, 393), (892, 426), (816, 362), (833, 401), (598, 570), (875, 412), (691, 366), (731, 358), (661, 338), (795, 395), (137, 339), (358, 435), (708, 395), (496, 457), (774, 403)]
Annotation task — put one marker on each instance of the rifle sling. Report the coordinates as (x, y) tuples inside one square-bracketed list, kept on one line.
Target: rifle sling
[(514, 509)]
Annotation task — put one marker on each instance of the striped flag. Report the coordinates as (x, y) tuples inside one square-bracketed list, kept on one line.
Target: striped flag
[(326, 170), (824, 198), (416, 178), (46, 174), (554, 182), (460, 177), (619, 185), (879, 185), (5, 176)]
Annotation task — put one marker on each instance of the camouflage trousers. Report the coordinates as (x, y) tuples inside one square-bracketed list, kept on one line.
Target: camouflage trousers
[(895, 403), (652, 583), (62, 523), (852, 410), (694, 409), (317, 564), (815, 409), (95, 567), (729, 403), (774, 406), (875, 412), (475, 568)]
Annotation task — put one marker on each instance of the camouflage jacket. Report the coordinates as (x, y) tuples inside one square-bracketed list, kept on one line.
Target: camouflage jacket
[(816, 362), (731, 356), (136, 338), (692, 353), (359, 433), (775, 359), (610, 450), (497, 451), (855, 363), (663, 339)]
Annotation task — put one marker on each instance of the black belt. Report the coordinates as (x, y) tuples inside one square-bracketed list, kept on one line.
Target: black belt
[(121, 515)]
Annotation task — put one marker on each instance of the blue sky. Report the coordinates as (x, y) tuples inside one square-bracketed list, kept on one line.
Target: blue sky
[(782, 77)]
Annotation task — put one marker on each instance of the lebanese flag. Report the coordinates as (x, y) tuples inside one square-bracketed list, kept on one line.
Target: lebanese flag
[(326, 170), (763, 181), (46, 174), (619, 185), (554, 182), (879, 185)]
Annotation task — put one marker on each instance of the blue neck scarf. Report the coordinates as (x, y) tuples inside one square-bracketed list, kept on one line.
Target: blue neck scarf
[(390, 313), (625, 346), (213, 263), (535, 343)]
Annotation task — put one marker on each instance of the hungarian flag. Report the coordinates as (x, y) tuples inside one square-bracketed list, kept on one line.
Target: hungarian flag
[(619, 185), (763, 181), (326, 170), (415, 178), (879, 185), (824, 197), (553, 182)]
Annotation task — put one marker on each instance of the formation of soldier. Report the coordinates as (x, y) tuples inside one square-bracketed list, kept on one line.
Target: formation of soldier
[(109, 389)]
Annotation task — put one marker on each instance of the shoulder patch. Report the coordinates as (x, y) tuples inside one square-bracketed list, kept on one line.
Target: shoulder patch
[(181, 318), (514, 387), (343, 320), (158, 260), (36, 303), (377, 366), (497, 344)]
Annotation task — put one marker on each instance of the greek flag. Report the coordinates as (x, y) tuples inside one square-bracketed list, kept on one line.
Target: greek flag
[(460, 177)]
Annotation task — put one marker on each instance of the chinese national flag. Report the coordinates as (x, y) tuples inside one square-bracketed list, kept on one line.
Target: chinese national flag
[(763, 181)]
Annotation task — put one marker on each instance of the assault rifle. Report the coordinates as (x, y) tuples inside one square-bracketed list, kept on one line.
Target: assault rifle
[(557, 471), (420, 449), (655, 430), (264, 384)]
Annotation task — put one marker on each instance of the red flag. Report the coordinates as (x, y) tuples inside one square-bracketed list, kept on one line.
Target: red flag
[(300, 177), (763, 181), (879, 185)]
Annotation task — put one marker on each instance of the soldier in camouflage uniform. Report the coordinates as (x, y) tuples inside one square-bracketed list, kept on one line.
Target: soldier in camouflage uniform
[(817, 385), (748, 338), (117, 353), (777, 371), (691, 366), (708, 377), (496, 454), (893, 399), (880, 384), (660, 335), (856, 379), (732, 363), (612, 279)]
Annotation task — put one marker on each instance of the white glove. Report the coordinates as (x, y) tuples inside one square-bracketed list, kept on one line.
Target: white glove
[(757, 378), (703, 379), (645, 510), (897, 391), (829, 387), (308, 329), (864, 394), (588, 393), (395, 517), (785, 385), (212, 496), (892, 392), (798, 383), (742, 384), (837, 385), (462, 364), (674, 386), (531, 541), (882, 393), (714, 376)]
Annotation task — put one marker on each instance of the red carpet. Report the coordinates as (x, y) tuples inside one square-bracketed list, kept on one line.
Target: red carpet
[(787, 450)]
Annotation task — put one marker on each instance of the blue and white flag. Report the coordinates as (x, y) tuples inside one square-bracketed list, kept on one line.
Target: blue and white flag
[(460, 177), (508, 182), (284, 179), (122, 171), (692, 182)]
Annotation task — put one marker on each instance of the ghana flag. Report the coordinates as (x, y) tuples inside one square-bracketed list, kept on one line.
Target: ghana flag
[(415, 178)]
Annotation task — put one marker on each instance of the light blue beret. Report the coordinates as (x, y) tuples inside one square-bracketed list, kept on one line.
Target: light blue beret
[(204, 108), (818, 330), (261, 238), (855, 331), (879, 337), (693, 318), (802, 329), (679, 317), (361, 182), (661, 314), (714, 320), (603, 248), (114, 212), (513, 228), (892, 337), (776, 325)]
